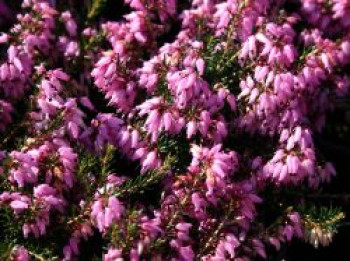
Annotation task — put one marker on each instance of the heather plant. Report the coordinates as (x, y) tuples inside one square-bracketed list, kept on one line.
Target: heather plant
[(168, 130)]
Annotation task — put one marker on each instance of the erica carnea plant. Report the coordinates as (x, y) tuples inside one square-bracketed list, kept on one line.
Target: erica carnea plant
[(167, 130)]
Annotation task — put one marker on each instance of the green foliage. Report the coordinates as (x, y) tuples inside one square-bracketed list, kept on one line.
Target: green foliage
[(321, 223), (142, 183), (177, 148), (124, 233), (222, 67), (5, 250), (163, 89), (96, 8), (11, 236)]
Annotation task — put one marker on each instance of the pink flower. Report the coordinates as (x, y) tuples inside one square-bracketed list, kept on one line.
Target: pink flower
[(200, 65), (186, 253), (19, 206), (104, 215), (70, 24), (21, 254), (212, 76), (191, 129), (113, 255)]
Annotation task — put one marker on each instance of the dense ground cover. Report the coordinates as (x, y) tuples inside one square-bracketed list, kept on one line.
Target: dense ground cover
[(170, 130)]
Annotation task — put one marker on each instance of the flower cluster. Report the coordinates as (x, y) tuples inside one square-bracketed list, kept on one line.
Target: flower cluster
[(160, 134)]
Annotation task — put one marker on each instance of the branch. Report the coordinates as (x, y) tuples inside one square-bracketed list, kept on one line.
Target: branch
[(96, 8)]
